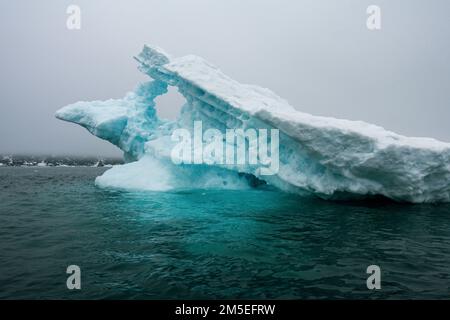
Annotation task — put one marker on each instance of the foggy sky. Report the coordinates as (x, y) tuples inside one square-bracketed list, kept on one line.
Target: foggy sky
[(317, 54)]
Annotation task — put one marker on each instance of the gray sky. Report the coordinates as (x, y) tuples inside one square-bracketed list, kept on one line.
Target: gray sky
[(317, 54)]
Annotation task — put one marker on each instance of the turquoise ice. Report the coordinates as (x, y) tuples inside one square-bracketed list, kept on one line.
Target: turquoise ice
[(331, 158)]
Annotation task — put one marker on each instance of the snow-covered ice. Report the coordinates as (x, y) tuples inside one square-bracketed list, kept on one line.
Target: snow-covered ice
[(331, 158)]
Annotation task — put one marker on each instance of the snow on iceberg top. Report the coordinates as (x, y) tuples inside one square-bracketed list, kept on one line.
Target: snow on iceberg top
[(262, 102), (248, 98)]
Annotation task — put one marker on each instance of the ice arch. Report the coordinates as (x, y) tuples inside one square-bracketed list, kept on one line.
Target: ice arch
[(331, 158)]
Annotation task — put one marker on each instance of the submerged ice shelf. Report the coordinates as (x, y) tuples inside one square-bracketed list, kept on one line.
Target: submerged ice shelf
[(331, 158)]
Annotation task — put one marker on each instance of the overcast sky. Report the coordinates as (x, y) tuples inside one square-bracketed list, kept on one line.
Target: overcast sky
[(317, 54)]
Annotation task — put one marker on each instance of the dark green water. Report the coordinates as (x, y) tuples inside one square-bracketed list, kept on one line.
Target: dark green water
[(210, 244)]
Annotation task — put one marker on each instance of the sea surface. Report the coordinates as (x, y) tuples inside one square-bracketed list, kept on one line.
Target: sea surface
[(210, 244)]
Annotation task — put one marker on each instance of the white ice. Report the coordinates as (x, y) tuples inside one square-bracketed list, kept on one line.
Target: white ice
[(328, 157)]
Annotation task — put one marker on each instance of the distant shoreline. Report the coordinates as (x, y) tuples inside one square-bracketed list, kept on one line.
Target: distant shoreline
[(57, 161)]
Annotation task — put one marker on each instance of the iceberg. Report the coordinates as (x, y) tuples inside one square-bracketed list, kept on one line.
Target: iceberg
[(327, 157)]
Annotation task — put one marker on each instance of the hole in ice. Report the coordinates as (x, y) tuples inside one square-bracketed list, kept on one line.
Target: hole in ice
[(252, 180), (168, 105)]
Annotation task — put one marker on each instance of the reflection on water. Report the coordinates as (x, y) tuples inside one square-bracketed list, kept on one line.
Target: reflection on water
[(210, 244)]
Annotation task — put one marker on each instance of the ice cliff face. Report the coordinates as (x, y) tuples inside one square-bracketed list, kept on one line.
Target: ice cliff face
[(331, 158)]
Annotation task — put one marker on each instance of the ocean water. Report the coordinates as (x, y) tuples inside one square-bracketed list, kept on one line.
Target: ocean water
[(210, 244)]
